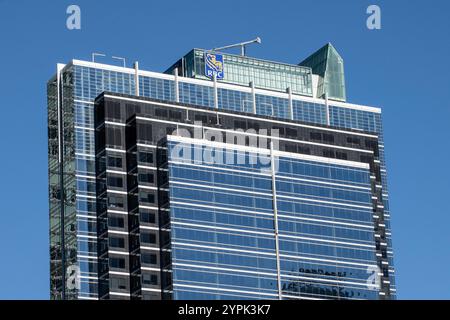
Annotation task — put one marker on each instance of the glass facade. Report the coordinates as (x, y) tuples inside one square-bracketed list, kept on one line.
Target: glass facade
[(370, 122), (73, 192), (222, 229), (333, 199), (243, 70), (329, 66)]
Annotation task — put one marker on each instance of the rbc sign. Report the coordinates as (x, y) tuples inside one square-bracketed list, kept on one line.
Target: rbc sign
[(213, 65)]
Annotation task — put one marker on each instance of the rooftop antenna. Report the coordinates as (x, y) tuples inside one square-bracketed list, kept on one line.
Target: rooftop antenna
[(241, 44), (94, 54)]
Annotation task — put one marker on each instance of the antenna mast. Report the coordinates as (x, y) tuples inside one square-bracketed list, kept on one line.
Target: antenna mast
[(241, 44)]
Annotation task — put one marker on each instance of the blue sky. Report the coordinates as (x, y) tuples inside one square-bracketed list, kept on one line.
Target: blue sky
[(403, 68)]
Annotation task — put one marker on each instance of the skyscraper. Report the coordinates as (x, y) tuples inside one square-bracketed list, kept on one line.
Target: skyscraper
[(304, 214)]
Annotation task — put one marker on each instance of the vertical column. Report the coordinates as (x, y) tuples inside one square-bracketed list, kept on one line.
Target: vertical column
[(275, 218), (252, 85), (136, 78), (291, 108), (216, 100), (177, 93), (327, 109)]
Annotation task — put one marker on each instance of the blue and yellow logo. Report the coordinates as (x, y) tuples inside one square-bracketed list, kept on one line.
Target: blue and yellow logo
[(213, 65)]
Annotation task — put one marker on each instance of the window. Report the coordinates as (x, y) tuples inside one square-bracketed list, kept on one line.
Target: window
[(329, 153), (115, 201), (117, 263), (132, 109), (146, 177), (315, 136), (113, 137), (116, 222), (113, 110), (162, 113), (366, 159), (116, 242), (146, 197), (341, 155), (149, 279), (116, 182), (240, 124), (353, 140), (291, 132), (147, 237), (114, 162), (149, 258), (212, 120), (372, 144), (304, 150), (144, 132), (146, 157), (290, 147), (118, 283), (86, 186), (328, 137), (175, 115), (148, 217)]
